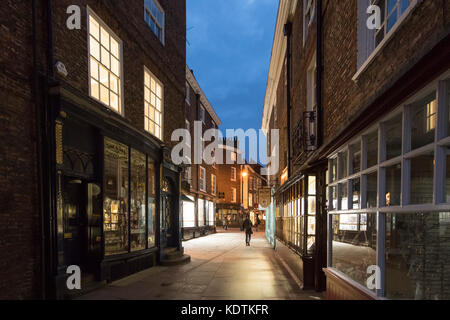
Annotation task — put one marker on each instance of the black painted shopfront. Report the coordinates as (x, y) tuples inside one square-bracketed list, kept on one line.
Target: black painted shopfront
[(115, 199)]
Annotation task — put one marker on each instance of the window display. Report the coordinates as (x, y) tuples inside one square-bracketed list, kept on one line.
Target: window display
[(354, 250), (137, 204), (151, 214), (116, 198)]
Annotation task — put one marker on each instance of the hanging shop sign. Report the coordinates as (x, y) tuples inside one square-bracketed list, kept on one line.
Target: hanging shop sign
[(264, 197)]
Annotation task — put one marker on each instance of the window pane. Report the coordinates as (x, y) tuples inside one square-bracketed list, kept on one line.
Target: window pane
[(356, 157), (343, 196), (372, 149), (312, 205), (393, 185), (105, 38), (94, 69), (151, 227), (422, 171), (417, 251), (94, 48), (372, 190), (116, 198), (94, 28), (201, 212), (104, 95), (343, 163), (115, 48), (137, 204), (95, 89), (424, 116), (311, 185), (353, 250), (356, 193), (333, 198), (333, 166), (189, 213), (393, 134)]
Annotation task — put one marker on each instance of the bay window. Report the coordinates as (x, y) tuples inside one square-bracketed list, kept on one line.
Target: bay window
[(399, 214)]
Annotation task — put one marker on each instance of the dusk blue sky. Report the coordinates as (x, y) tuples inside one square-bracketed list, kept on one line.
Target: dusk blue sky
[(229, 47)]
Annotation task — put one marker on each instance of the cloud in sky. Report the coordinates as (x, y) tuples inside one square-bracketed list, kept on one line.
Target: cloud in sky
[(229, 47)]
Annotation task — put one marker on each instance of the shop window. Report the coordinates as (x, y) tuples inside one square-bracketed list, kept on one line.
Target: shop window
[(393, 185), (137, 204), (211, 209), (201, 212), (105, 55), (189, 213), (372, 190), (333, 170), (116, 197), (424, 117), (422, 171), (154, 104), (343, 196), (355, 152), (155, 18), (417, 256), (354, 245), (333, 204), (393, 135), (151, 214), (356, 193), (343, 164), (372, 149)]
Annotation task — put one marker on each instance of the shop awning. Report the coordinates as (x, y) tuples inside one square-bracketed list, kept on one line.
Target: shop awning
[(186, 198)]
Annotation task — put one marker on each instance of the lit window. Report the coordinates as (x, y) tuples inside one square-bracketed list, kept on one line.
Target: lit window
[(105, 51), (234, 156), (213, 184), (233, 195), (233, 174), (153, 93), (202, 179), (154, 17)]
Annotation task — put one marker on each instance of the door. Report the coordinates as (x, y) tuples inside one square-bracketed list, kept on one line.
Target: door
[(168, 223), (74, 222)]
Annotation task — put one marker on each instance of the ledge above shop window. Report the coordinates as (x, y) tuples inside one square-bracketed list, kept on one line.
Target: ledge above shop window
[(393, 17)]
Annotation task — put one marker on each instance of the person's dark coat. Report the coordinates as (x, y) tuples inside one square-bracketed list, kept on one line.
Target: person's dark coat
[(247, 225)]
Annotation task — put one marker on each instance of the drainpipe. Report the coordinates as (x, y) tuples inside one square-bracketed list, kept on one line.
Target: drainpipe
[(319, 72), (287, 33)]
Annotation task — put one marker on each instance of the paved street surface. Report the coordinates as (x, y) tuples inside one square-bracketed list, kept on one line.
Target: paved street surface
[(222, 268)]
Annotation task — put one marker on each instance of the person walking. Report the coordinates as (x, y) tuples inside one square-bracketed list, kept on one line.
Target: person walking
[(247, 226)]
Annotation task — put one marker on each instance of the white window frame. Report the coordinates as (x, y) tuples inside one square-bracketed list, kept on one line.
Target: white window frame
[(121, 108), (309, 7), (234, 195), (163, 27), (366, 38), (233, 174), (441, 86), (157, 81), (202, 179)]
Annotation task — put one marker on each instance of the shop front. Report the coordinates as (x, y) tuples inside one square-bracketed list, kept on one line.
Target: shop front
[(198, 217), (300, 219), (116, 201), (389, 204)]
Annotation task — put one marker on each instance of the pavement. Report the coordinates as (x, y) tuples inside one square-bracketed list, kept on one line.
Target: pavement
[(222, 268)]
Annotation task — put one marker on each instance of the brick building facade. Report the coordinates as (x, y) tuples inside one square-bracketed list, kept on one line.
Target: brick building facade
[(89, 114), (368, 124), (199, 181)]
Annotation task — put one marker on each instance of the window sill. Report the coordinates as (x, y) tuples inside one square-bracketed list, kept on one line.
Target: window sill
[(386, 40)]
